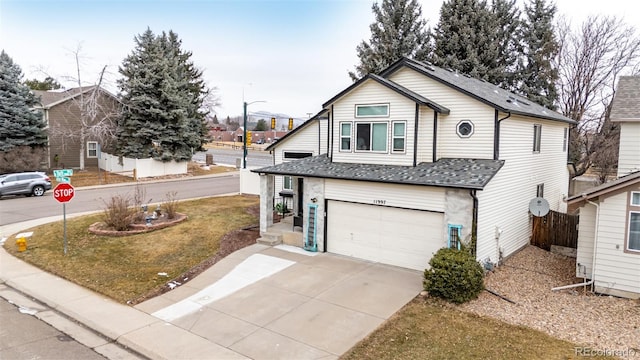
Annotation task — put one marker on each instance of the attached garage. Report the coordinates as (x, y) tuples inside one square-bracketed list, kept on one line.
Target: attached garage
[(395, 236)]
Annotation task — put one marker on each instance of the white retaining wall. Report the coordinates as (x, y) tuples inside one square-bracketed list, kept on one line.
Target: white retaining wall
[(144, 167)]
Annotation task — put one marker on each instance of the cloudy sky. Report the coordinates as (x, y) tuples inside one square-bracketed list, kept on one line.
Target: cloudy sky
[(293, 54)]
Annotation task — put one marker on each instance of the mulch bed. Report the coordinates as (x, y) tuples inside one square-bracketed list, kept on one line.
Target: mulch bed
[(137, 228)]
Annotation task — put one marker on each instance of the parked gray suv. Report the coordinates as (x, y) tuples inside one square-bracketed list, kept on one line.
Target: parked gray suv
[(26, 183)]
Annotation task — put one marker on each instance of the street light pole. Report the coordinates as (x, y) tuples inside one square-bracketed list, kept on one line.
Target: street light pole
[(244, 137)]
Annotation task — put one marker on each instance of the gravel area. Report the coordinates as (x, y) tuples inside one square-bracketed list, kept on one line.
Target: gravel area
[(598, 321)]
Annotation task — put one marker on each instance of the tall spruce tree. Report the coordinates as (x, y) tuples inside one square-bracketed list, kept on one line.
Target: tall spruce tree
[(398, 30), (162, 93), (539, 75), (20, 124), (465, 40), (508, 42)]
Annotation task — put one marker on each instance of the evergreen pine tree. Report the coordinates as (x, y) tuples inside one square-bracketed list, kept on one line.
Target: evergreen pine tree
[(20, 123), (539, 75), (162, 98), (398, 30), (465, 40), (508, 42)]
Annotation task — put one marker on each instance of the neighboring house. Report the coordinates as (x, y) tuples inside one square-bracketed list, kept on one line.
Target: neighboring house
[(62, 112), (609, 228), (419, 158)]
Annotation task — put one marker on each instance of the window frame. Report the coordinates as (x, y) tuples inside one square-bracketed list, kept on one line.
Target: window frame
[(631, 203), (458, 242), (627, 244), (537, 138), (89, 149), (465, 121), (297, 155), (540, 190), (371, 136), (342, 137), (565, 139), (284, 182), (394, 137), (358, 106)]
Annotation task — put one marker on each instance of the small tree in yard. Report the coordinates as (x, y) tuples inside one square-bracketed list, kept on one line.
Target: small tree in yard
[(455, 276), (118, 213)]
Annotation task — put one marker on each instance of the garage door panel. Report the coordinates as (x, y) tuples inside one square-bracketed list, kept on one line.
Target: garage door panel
[(400, 237)]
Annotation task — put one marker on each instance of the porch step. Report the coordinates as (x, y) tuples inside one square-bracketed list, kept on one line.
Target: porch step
[(270, 238)]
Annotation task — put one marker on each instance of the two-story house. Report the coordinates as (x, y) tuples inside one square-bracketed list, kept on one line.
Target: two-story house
[(75, 115), (609, 229), (418, 158)]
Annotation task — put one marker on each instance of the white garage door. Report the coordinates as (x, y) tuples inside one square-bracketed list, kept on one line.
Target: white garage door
[(406, 238)]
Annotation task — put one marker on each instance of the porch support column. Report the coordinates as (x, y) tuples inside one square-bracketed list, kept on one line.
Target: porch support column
[(267, 184)]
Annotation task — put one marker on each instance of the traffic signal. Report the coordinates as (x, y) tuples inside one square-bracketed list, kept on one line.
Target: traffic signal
[(249, 137), (290, 123), (273, 123)]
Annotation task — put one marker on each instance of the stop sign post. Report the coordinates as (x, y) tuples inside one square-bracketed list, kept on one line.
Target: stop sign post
[(63, 193)]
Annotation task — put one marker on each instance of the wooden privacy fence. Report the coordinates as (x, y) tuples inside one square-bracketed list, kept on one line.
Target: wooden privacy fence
[(555, 229)]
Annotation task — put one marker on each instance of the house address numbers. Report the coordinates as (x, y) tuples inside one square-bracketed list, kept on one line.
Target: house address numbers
[(379, 202)]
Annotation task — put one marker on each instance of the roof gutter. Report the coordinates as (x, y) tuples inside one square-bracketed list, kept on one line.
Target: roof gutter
[(496, 134)]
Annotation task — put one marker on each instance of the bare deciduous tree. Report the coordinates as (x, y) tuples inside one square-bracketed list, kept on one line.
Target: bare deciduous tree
[(96, 117), (589, 62)]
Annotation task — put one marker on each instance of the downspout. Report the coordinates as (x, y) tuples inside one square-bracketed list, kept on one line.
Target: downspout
[(330, 134), (593, 259), (435, 136), (474, 223), (496, 134), (415, 136)]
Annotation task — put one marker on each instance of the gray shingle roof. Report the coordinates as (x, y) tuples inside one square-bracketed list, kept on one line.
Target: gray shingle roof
[(488, 93), (456, 173), (47, 98), (626, 102)]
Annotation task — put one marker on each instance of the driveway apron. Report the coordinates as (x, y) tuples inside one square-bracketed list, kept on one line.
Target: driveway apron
[(284, 303)]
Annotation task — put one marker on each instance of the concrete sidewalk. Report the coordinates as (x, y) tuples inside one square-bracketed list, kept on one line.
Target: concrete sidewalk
[(259, 302)]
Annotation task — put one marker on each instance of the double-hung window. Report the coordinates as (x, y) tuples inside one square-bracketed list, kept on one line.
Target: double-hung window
[(345, 136), (92, 149), (399, 135), (537, 137), (371, 137), (633, 234)]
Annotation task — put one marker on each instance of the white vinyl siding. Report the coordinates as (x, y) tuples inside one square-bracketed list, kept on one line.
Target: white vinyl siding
[(405, 196), (450, 145), (586, 234), (425, 135), (629, 155), (400, 109), (305, 140), (504, 203), (614, 268)]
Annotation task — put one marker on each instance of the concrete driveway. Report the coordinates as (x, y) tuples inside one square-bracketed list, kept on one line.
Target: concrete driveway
[(283, 303)]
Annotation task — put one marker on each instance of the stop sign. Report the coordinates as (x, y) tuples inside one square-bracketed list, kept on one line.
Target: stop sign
[(63, 192)]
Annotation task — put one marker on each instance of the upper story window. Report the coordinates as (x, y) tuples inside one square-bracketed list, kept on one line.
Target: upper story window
[(292, 155), (633, 232), (92, 149), (565, 139), (464, 129), (345, 136), (371, 137), (537, 137), (372, 110), (399, 135)]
